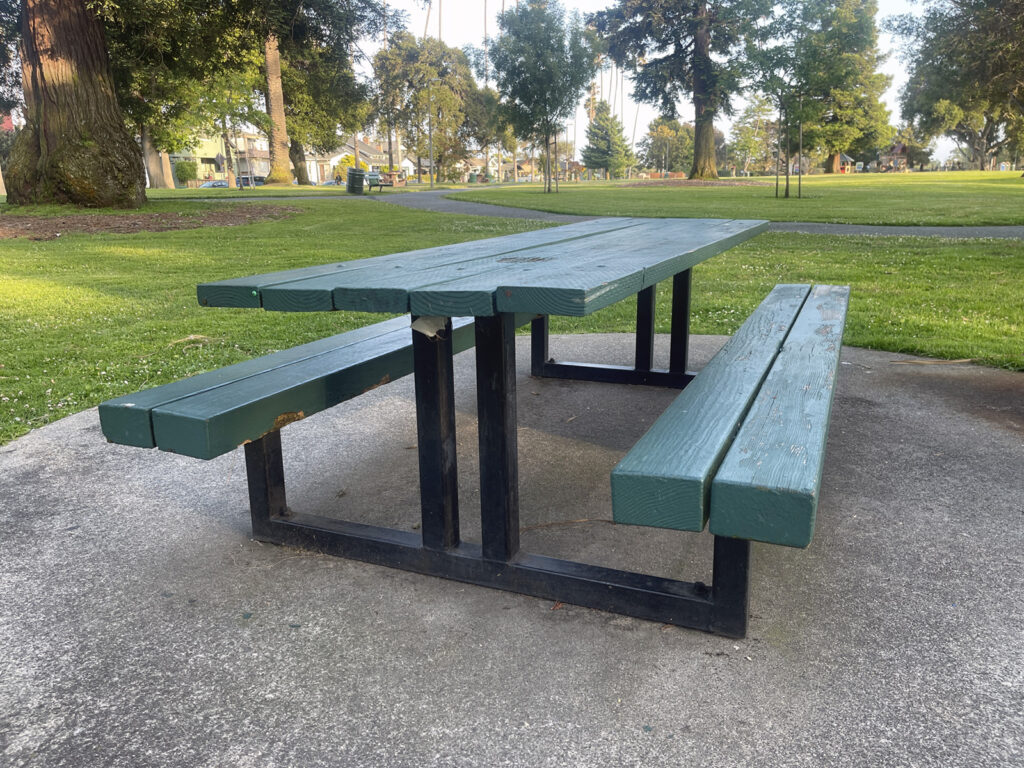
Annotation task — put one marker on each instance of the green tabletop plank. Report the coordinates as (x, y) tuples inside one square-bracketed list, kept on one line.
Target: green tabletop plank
[(586, 275), (389, 274), (665, 479), (245, 291), (767, 486)]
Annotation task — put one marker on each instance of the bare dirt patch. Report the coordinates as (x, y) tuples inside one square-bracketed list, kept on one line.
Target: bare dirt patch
[(696, 183), (52, 227)]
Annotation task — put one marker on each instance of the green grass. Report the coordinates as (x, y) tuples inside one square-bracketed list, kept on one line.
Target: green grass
[(88, 317), (955, 198)]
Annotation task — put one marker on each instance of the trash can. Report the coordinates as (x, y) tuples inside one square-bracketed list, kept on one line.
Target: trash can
[(356, 181), (472, 178)]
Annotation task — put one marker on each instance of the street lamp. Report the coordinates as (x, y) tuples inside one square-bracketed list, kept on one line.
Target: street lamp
[(430, 124)]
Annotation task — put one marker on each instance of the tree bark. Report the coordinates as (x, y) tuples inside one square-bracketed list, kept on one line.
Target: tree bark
[(704, 166), (75, 147), (229, 166), (298, 158), (3, 189), (154, 164), (278, 138), (832, 163)]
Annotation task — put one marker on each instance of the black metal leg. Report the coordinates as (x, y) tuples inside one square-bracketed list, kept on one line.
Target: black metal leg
[(264, 469), (645, 329), (435, 427), (539, 345), (680, 322), (730, 586), (496, 412)]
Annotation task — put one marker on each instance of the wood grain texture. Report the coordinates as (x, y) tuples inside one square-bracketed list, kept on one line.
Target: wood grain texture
[(665, 480), (128, 419), (313, 280), (217, 420), (583, 276), (768, 485)]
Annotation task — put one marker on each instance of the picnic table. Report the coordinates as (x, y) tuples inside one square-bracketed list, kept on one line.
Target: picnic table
[(477, 294)]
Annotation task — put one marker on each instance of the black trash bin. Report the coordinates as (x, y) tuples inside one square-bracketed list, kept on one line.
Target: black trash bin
[(356, 181)]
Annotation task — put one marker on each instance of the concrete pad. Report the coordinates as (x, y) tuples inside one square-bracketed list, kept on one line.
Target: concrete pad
[(141, 626)]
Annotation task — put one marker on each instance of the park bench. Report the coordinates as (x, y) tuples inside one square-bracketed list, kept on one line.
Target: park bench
[(374, 179), (248, 403), (742, 448)]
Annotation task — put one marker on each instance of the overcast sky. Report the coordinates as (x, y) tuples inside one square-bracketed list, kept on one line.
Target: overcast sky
[(462, 23)]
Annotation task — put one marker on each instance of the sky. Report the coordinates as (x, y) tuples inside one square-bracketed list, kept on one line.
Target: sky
[(462, 23)]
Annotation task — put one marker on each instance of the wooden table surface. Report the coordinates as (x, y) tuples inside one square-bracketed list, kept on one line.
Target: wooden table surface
[(569, 270)]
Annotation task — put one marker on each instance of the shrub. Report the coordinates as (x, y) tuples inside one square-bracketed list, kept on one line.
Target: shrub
[(186, 171)]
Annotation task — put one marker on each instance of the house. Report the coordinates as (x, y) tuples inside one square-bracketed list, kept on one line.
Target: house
[(894, 158), (250, 154)]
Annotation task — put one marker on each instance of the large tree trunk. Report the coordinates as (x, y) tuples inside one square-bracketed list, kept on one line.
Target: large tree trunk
[(298, 158), (75, 147), (832, 163), (278, 138), (154, 164), (3, 189), (704, 166)]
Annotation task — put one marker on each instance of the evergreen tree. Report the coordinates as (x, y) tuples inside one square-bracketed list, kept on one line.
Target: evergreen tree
[(684, 47), (607, 148)]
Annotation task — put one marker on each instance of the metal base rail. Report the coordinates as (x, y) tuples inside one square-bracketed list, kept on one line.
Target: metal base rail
[(720, 608)]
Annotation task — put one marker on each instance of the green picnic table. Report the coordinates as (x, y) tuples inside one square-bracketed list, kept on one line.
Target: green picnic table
[(476, 294)]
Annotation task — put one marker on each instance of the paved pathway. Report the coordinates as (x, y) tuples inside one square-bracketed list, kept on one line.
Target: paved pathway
[(436, 200)]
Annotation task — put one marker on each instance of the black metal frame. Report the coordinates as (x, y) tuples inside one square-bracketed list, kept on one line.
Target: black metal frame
[(498, 561)]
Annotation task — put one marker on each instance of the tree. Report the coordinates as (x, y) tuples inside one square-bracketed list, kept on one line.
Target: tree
[(839, 61), (819, 68), (542, 65), (181, 68), (754, 136), (668, 145), (483, 124), (606, 147), (684, 47), (425, 87), (74, 147), (966, 73)]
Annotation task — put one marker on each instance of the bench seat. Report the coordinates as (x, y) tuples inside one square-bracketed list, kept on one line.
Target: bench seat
[(212, 413), (742, 447)]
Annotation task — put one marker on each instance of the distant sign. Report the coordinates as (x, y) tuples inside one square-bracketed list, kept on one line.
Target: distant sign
[(860, 167)]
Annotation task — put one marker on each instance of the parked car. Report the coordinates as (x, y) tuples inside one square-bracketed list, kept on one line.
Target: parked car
[(213, 183), (245, 181)]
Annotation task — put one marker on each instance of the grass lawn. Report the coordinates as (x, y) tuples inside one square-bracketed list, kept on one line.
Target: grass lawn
[(955, 198), (86, 317)]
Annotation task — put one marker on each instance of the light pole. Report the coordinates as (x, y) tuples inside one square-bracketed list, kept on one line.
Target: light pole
[(430, 124)]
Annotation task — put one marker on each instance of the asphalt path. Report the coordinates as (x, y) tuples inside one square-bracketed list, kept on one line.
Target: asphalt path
[(437, 200)]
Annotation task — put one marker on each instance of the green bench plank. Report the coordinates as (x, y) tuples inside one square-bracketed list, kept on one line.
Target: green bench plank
[(126, 419), (580, 277), (217, 420), (665, 479), (315, 291), (767, 486)]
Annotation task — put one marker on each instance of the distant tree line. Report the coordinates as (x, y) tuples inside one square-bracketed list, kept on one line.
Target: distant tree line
[(150, 76)]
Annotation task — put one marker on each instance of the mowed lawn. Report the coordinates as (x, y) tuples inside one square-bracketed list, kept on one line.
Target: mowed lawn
[(86, 317), (953, 198)]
